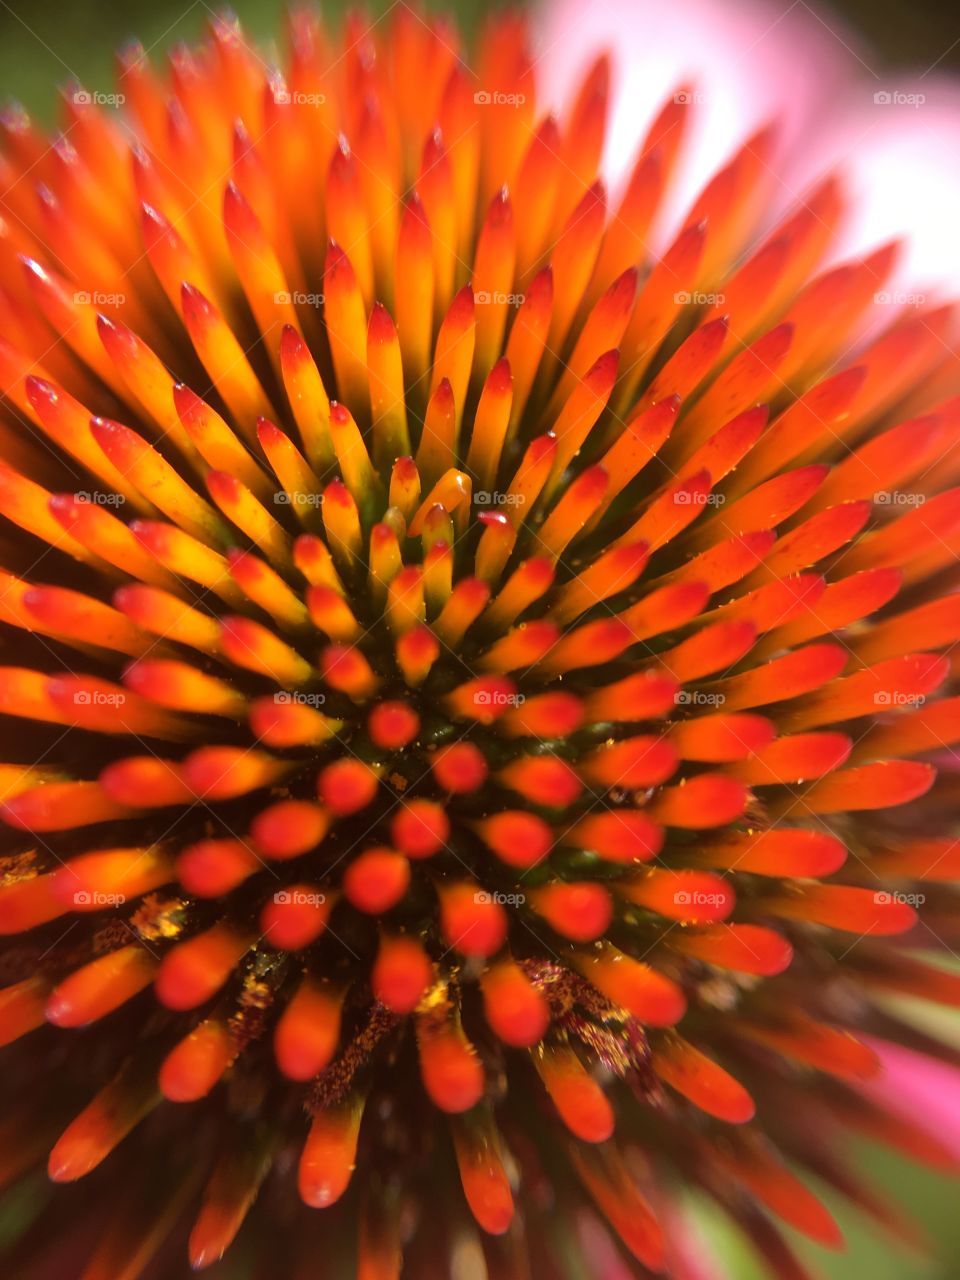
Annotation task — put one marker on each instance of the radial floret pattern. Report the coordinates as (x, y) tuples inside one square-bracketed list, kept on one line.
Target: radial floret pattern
[(469, 680)]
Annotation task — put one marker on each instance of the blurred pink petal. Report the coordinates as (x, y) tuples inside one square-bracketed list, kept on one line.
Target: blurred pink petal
[(894, 139), (746, 63), (599, 1248), (691, 1256), (924, 1091)]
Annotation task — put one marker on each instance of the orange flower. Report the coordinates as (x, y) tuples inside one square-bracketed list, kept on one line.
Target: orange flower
[(452, 657)]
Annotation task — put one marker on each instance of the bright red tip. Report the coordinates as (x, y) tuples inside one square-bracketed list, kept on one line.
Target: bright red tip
[(393, 725), (346, 786), (376, 880), (460, 768)]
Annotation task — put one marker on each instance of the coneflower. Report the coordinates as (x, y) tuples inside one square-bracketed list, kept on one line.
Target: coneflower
[(459, 670)]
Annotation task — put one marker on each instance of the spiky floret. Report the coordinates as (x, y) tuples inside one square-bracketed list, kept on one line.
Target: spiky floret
[(442, 673)]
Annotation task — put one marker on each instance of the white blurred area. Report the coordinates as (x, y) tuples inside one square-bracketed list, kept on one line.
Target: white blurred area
[(748, 62), (902, 166)]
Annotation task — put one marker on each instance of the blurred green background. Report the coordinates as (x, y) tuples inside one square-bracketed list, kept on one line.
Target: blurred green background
[(43, 45)]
